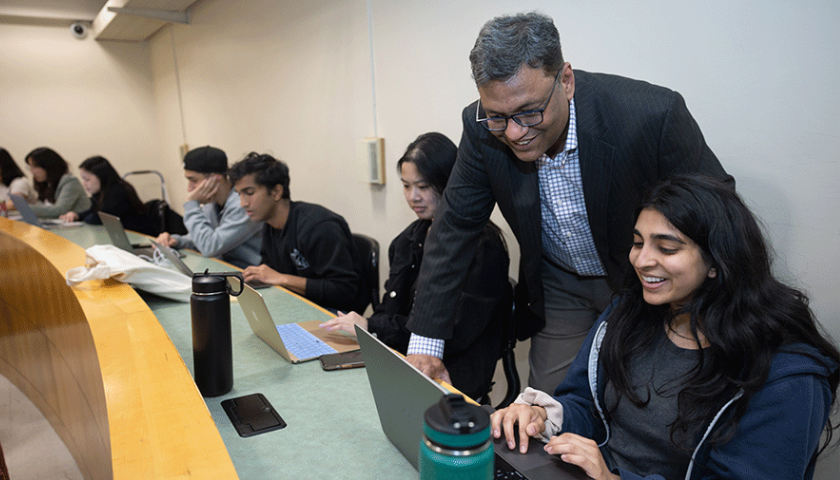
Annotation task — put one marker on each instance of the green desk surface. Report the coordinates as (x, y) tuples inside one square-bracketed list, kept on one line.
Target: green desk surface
[(333, 430)]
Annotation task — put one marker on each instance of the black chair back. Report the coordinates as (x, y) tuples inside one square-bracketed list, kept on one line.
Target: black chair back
[(368, 248)]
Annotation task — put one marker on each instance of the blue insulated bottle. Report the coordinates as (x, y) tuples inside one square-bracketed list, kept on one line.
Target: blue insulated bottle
[(456, 442), (212, 350)]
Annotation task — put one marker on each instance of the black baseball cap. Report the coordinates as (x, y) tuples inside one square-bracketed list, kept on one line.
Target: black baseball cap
[(206, 160)]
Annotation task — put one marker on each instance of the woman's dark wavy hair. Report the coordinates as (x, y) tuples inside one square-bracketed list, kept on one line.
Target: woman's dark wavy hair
[(108, 179), (744, 312), (434, 155), (8, 168), (55, 167)]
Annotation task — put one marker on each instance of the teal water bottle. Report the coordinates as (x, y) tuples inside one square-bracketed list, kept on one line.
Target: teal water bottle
[(456, 442)]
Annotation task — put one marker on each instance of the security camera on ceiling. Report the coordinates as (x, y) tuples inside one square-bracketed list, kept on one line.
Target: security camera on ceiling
[(79, 30)]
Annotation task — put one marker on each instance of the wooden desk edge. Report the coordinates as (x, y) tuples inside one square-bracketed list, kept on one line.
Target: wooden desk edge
[(159, 424)]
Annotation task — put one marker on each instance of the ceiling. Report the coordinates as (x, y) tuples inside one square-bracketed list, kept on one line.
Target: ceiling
[(52, 9), (136, 21)]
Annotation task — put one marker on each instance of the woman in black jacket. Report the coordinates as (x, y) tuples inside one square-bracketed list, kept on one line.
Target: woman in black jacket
[(111, 194), (484, 307)]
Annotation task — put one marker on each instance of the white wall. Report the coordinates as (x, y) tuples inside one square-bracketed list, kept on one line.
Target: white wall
[(78, 97), (295, 80)]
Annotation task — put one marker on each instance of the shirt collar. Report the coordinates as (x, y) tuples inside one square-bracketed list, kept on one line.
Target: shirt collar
[(571, 138)]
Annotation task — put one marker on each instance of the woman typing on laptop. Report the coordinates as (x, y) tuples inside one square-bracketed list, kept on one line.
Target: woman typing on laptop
[(472, 354), (704, 366), (111, 194)]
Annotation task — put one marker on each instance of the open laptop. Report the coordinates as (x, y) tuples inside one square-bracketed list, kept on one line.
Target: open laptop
[(296, 342), (28, 215), (119, 238), (402, 395), (174, 257)]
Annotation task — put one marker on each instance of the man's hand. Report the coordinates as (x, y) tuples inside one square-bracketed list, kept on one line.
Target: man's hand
[(166, 240), (206, 191), (70, 217), (429, 365), (263, 274)]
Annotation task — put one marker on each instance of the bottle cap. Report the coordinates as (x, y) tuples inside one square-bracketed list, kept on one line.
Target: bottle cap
[(453, 422)]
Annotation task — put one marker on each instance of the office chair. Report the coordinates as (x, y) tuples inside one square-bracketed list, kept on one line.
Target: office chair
[(165, 219), (508, 356), (369, 250)]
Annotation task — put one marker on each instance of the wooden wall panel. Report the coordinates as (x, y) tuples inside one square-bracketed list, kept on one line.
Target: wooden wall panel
[(101, 368), (48, 351)]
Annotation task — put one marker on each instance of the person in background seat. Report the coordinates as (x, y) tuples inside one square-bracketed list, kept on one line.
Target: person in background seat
[(483, 307)]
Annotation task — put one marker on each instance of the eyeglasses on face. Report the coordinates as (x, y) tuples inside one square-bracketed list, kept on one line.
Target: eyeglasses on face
[(527, 118)]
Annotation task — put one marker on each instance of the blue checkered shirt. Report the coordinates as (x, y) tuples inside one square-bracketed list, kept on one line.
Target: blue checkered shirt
[(566, 236)]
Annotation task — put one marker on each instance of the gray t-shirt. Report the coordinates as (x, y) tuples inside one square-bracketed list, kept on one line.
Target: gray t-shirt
[(640, 438)]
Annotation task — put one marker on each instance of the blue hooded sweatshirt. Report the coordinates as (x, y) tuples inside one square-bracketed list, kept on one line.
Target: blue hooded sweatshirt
[(777, 437)]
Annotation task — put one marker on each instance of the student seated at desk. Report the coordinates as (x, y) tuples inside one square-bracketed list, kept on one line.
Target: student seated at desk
[(111, 194), (471, 355), (306, 248), (13, 181), (59, 192), (217, 224), (705, 366)]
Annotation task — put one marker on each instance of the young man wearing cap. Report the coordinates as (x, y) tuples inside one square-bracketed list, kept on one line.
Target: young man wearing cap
[(217, 224)]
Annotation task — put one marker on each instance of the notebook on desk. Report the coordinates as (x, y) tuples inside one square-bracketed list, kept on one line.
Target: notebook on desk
[(402, 394), (28, 215), (296, 342), (116, 232)]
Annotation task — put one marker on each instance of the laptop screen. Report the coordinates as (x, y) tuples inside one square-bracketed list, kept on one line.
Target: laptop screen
[(402, 394)]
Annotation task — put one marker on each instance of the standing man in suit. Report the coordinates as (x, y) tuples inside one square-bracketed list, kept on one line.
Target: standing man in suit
[(566, 155)]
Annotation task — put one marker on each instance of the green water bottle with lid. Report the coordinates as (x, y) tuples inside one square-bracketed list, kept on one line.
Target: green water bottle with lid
[(456, 441)]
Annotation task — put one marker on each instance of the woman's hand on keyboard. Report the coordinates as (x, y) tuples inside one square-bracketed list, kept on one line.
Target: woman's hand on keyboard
[(345, 323), (529, 420)]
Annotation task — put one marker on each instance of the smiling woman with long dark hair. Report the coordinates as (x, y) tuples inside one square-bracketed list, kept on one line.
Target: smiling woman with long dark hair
[(704, 366)]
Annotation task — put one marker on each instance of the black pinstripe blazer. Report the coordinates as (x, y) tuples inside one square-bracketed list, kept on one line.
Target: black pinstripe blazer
[(630, 134)]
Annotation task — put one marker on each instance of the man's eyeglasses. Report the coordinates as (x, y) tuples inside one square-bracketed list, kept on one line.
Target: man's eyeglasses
[(526, 119)]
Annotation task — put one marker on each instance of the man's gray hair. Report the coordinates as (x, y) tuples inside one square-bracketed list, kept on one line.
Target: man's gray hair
[(506, 43)]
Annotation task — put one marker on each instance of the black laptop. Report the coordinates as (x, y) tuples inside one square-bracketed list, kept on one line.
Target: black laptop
[(402, 394)]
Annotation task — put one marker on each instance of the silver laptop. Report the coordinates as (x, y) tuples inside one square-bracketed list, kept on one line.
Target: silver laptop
[(174, 258), (28, 215), (402, 395), (119, 238), (296, 342)]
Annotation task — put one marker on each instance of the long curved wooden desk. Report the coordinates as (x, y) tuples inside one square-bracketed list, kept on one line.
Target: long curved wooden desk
[(98, 364)]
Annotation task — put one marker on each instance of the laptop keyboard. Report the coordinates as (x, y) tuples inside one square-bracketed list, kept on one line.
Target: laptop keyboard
[(301, 343), (504, 470)]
